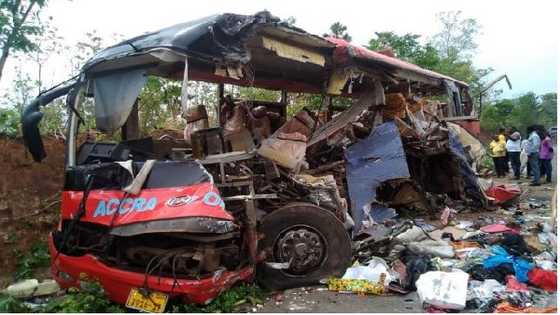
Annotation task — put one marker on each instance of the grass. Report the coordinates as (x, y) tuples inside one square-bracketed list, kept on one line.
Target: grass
[(226, 302), (37, 257), (10, 304), (91, 298), (487, 162)]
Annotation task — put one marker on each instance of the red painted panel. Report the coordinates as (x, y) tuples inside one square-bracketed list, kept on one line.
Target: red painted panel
[(117, 283), (149, 204)]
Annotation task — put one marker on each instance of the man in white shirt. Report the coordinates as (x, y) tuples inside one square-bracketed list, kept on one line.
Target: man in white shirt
[(513, 148), (524, 157), (533, 148)]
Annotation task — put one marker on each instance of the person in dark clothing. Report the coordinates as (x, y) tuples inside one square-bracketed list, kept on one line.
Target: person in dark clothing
[(498, 154), (503, 161), (545, 156)]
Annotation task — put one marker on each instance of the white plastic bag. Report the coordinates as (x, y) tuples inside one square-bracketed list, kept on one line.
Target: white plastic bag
[(436, 248), (446, 290), (372, 272), (484, 290)]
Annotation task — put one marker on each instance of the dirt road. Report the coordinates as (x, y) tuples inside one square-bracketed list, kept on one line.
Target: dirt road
[(319, 299)]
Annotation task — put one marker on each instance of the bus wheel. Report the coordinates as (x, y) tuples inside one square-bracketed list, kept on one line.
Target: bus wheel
[(305, 244)]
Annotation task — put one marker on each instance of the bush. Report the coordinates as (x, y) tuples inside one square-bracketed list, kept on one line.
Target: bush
[(10, 304), (9, 122), (90, 298), (226, 302), (37, 257)]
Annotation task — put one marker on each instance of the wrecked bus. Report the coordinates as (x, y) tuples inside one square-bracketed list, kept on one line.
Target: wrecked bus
[(260, 195)]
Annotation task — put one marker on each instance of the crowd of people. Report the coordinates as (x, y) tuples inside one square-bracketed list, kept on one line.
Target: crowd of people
[(532, 156)]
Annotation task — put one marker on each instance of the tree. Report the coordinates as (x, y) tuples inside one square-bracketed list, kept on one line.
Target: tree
[(158, 103), (525, 112), (457, 37), (338, 30), (85, 49), (496, 116), (21, 90), (406, 47), (19, 24), (520, 112), (47, 45), (547, 110)]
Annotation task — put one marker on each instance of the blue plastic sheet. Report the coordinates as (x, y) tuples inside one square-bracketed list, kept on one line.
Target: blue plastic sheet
[(369, 162), (501, 256)]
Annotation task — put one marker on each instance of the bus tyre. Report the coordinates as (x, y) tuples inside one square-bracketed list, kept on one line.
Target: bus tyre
[(308, 242)]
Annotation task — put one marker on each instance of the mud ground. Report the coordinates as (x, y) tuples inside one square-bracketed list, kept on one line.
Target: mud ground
[(29, 200)]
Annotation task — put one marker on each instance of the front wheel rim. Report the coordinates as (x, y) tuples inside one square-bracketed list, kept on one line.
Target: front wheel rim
[(303, 246)]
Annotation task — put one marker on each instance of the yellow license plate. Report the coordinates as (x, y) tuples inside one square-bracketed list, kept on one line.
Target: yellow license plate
[(153, 302)]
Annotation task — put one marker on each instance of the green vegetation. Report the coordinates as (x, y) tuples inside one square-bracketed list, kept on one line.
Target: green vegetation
[(37, 257), (90, 298), (338, 30), (20, 25), (10, 304), (227, 302), (448, 52), (520, 112), (9, 122)]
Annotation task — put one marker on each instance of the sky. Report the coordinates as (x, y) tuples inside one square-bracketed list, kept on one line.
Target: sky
[(518, 37)]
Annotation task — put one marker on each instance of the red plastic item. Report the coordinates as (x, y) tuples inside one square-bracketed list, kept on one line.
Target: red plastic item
[(503, 193), (513, 285), (506, 307), (544, 279), (69, 270), (497, 228)]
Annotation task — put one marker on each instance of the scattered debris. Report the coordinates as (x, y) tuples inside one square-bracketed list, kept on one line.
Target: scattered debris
[(30, 288), (445, 290), (503, 194), (292, 200)]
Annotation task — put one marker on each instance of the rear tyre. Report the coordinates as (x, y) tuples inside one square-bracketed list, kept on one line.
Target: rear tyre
[(312, 239)]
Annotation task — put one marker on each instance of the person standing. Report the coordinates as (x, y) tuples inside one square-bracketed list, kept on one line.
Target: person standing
[(502, 134), (545, 154), (503, 161), (525, 168), (498, 153), (533, 148), (513, 148)]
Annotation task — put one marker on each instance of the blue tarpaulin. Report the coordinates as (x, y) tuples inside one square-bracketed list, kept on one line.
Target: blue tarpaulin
[(501, 256), (369, 162)]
